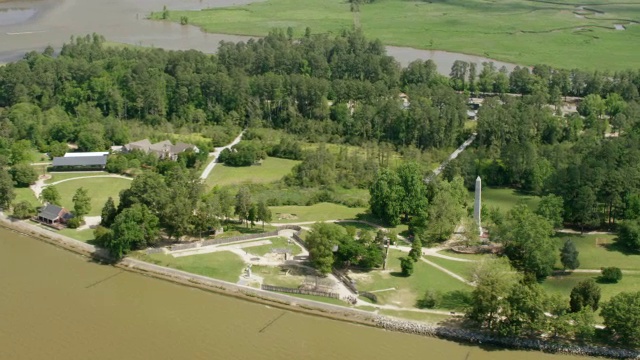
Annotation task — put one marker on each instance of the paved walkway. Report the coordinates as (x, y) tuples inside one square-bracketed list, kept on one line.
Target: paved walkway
[(571, 231), (453, 155), (216, 153)]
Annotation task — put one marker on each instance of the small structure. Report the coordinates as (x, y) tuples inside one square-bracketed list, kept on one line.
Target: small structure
[(284, 251), (88, 161), (53, 214), (477, 205), (163, 149)]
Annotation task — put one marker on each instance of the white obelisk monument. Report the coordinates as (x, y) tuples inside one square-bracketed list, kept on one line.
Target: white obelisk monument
[(477, 205)]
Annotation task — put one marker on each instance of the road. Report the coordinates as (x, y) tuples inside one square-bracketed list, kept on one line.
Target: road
[(453, 155), (216, 153)]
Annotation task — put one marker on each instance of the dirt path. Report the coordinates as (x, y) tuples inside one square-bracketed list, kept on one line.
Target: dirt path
[(571, 231), (216, 153)]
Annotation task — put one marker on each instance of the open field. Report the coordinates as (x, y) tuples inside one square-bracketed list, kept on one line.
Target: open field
[(563, 34), (504, 198), (223, 265), (57, 176), (407, 289), (564, 284), (26, 194), (418, 316), (464, 269), (317, 212), (598, 251), (276, 243), (99, 190), (85, 235), (272, 169)]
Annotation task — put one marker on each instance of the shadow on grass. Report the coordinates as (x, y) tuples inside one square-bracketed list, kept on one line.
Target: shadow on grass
[(397, 274), (615, 246)]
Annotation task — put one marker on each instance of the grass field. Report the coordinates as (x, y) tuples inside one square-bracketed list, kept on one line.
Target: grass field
[(99, 190), (82, 235), (464, 269), (418, 316), (26, 194), (563, 284), (272, 169), (561, 34), (407, 289), (223, 265), (505, 199), (598, 251), (276, 243), (57, 176), (317, 212)]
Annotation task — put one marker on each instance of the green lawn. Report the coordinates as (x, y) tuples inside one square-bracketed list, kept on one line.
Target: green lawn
[(277, 276), (464, 269), (317, 212), (82, 235), (99, 189), (408, 289), (223, 265), (564, 284), (276, 243), (272, 169), (26, 194), (598, 251), (358, 225), (464, 256), (518, 31), (57, 176), (320, 299), (504, 198), (240, 229)]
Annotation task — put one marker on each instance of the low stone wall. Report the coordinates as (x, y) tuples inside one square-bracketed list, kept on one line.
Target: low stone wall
[(370, 296), (345, 280), (477, 337), (299, 291)]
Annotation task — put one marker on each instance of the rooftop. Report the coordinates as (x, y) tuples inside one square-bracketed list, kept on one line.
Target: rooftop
[(80, 161)]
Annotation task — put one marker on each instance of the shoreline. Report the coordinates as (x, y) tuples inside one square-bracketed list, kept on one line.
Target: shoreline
[(310, 307)]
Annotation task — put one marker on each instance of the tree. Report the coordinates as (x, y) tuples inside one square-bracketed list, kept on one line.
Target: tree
[(569, 255), (585, 295), (386, 196), (23, 175), (406, 264), (134, 228), (207, 215), (81, 203), (416, 249), (611, 275), (320, 242), (413, 198), (263, 213), (621, 317), (23, 210), (629, 235), (243, 204), (109, 213), (494, 281), (551, 207), (50, 195), (7, 193), (527, 241)]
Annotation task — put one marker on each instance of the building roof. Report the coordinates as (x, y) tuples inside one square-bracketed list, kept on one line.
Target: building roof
[(83, 154), (143, 145), (50, 212), (180, 147), (80, 161)]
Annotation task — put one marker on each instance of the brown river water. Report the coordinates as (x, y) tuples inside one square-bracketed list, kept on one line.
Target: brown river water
[(33, 24), (58, 305)]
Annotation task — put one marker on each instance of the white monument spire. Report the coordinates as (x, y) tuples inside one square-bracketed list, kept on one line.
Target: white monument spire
[(477, 205)]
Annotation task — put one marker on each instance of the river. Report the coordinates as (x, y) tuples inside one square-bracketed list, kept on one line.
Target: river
[(33, 24), (58, 305)]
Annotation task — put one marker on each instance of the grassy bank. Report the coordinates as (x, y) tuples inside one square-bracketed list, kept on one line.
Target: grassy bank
[(560, 34), (272, 169), (223, 265), (317, 212)]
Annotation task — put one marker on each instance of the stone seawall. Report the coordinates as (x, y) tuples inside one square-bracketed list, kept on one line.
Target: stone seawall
[(476, 337)]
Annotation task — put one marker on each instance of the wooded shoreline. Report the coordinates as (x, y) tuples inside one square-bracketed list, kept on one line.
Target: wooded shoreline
[(310, 307)]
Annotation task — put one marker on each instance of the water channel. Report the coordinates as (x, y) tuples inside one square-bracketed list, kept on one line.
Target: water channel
[(58, 305), (52, 22)]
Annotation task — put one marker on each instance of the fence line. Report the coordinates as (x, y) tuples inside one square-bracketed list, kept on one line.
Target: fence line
[(300, 291), (345, 280)]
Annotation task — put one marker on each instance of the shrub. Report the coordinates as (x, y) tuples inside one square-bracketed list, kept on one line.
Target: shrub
[(23, 210), (184, 20), (611, 275), (74, 222), (407, 266), (430, 300)]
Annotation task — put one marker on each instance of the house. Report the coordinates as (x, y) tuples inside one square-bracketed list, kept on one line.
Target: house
[(91, 161), (53, 214), (163, 149)]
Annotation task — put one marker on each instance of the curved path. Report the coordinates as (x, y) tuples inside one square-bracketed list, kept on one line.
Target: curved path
[(216, 153), (39, 185)]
